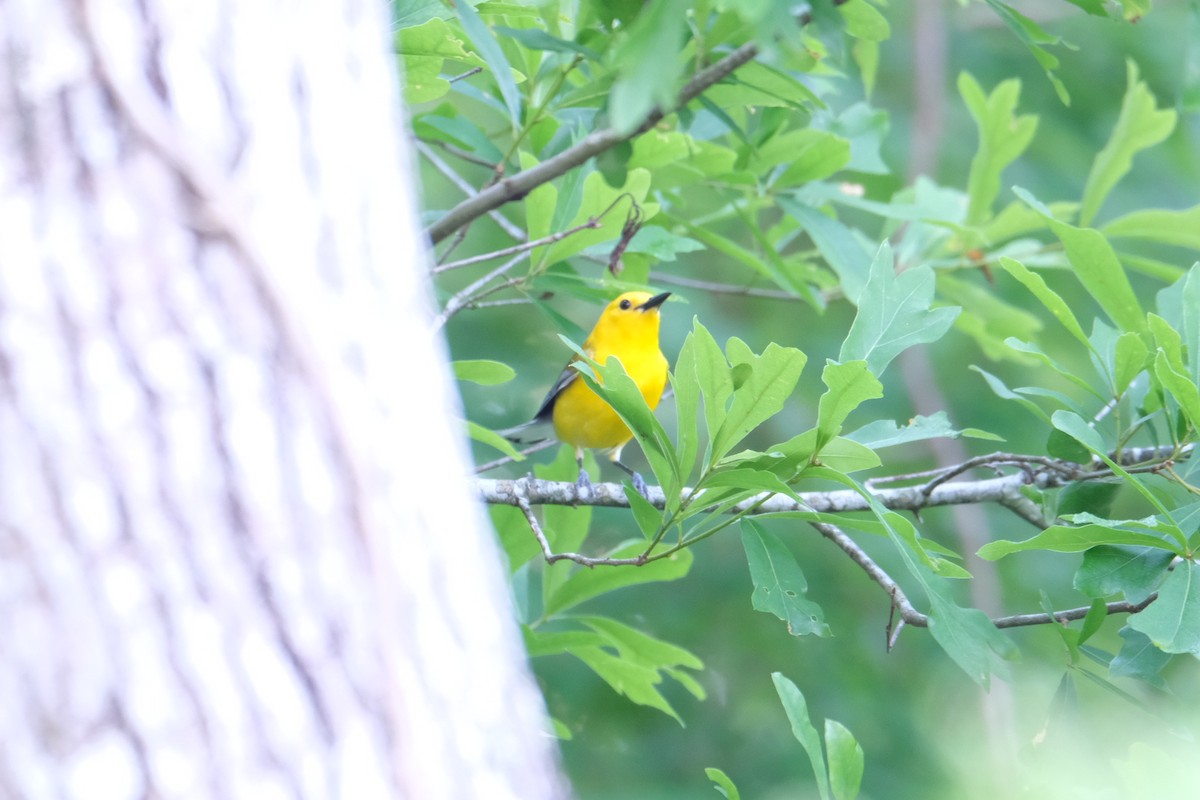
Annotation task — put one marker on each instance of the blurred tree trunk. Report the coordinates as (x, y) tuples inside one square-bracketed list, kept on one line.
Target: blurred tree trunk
[(237, 558)]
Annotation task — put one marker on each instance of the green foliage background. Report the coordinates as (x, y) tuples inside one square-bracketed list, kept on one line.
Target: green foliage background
[(1058, 721)]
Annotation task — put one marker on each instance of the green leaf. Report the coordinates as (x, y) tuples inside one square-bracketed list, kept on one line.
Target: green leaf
[(845, 760), (648, 64), (596, 197), (894, 314), (1033, 37), (635, 681), (639, 647), (565, 527), (773, 376), (585, 584), (1096, 266), (1071, 423), (998, 386), (1189, 100), (1179, 228), (493, 439), (810, 154), (1182, 387), (886, 433), (846, 456), (622, 393), (754, 481), (483, 372), (712, 374), (516, 539), (1140, 125), (837, 243), (1066, 372), (772, 267), (967, 636), (990, 317), (779, 584), (1129, 360), (1048, 297), (424, 49), (648, 517), (685, 381), (1093, 621), (1139, 658), (1173, 620), (863, 21), (796, 708), (1060, 445), (723, 784), (1073, 539), (485, 42), (537, 39), (758, 84), (1131, 571), (1003, 136), (849, 385)]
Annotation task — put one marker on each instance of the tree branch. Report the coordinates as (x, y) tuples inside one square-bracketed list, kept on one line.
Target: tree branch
[(1039, 471), (1006, 490), (519, 185)]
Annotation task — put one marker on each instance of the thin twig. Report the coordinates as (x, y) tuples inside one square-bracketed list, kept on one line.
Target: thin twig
[(591, 224), (474, 291), (467, 74), (458, 152), (724, 288), (552, 557), (1071, 614), (466, 188), (519, 185), (533, 448), (511, 301)]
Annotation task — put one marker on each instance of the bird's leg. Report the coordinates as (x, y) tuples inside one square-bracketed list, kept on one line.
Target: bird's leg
[(583, 484), (639, 485)]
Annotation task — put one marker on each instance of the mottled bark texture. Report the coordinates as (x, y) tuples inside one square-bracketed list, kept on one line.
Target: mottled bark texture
[(238, 556)]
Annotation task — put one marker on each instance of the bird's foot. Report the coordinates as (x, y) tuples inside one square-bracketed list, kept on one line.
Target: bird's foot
[(583, 486), (639, 486)]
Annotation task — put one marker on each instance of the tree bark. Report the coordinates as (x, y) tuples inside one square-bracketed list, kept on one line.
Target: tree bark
[(238, 556)]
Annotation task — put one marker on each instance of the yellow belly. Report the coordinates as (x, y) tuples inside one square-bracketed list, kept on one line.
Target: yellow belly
[(583, 419)]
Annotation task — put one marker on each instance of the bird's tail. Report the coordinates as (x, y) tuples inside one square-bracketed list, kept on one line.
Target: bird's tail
[(532, 432)]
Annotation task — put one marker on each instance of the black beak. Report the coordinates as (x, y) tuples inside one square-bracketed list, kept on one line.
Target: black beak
[(654, 302)]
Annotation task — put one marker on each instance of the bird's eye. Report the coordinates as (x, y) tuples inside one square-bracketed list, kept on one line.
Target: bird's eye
[(625, 304)]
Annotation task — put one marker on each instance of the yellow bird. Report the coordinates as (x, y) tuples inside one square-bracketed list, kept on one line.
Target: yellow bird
[(628, 330)]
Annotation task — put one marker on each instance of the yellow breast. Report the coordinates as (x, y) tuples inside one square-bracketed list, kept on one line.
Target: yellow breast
[(582, 419)]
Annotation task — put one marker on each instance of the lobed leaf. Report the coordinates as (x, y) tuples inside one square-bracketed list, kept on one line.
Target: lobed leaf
[(772, 377), (1003, 136), (894, 314), (1140, 125), (1073, 539), (849, 385)]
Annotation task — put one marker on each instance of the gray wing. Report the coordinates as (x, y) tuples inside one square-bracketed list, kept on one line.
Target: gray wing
[(565, 379)]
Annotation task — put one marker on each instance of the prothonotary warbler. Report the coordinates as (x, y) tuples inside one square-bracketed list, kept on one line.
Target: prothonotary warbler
[(627, 329)]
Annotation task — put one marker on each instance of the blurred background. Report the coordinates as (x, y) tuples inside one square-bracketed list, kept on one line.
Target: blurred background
[(926, 728)]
